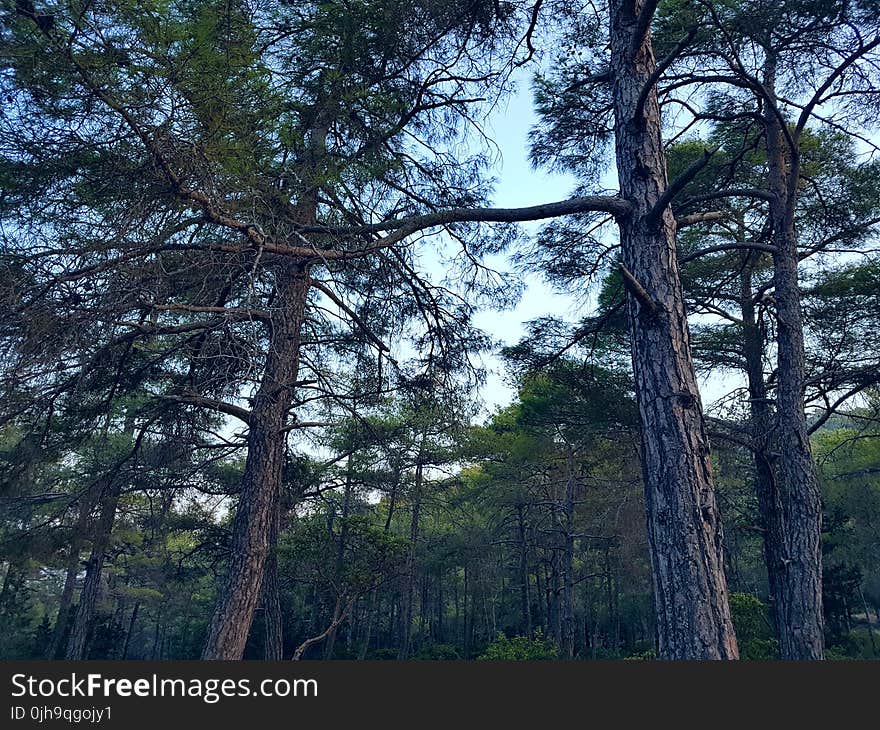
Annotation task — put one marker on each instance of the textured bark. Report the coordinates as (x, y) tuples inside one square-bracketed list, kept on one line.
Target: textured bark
[(796, 533), (252, 526), (85, 610), (761, 417), (769, 505), (273, 649), (684, 530), (73, 564)]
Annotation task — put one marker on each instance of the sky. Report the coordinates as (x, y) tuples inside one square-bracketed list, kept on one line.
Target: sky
[(519, 184)]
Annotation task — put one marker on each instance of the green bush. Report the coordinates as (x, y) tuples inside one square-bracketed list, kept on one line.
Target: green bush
[(754, 632), (856, 645), (520, 648), (439, 651), (641, 656)]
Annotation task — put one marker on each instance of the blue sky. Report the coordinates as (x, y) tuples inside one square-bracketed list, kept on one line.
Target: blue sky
[(520, 185)]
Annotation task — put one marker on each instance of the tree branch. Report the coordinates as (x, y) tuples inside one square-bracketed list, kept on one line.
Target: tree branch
[(242, 414), (677, 185), (612, 204)]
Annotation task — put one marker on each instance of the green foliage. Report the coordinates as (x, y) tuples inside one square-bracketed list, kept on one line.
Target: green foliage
[(520, 648), (855, 645), (754, 632), (436, 652)]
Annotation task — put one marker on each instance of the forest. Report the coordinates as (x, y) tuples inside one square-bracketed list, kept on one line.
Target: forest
[(244, 249)]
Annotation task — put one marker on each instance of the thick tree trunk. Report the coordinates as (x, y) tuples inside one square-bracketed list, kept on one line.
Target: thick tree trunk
[(252, 526), (684, 529), (797, 550), (85, 611)]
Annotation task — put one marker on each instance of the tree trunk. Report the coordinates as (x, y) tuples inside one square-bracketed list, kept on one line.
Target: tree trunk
[(566, 572), (123, 654), (12, 583), (65, 603), (769, 506), (406, 637), (684, 529), (330, 642), (273, 649), (797, 550), (252, 526), (868, 622), (525, 598), (85, 611)]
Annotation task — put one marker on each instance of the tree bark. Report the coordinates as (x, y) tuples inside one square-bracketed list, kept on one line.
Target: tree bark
[(85, 611), (273, 649), (65, 603), (684, 529), (796, 533), (252, 526), (761, 417)]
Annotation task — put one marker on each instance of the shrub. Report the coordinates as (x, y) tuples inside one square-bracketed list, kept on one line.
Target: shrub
[(520, 648)]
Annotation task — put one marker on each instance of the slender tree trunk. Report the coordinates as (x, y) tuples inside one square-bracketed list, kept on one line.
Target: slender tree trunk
[(684, 529), (85, 611), (407, 613), (611, 599), (769, 505), (273, 619), (330, 642), (539, 603), (12, 583), (525, 599), (566, 573), (797, 549), (65, 603), (368, 625), (123, 654), (441, 629), (466, 617), (62, 618), (554, 586), (340, 611), (251, 528), (868, 621)]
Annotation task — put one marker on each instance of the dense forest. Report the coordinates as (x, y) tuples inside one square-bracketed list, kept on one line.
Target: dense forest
[(243, 248)]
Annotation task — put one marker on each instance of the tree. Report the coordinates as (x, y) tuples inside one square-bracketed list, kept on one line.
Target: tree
[(756, 51), (238, 146), (728, 273), (619, 101)]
